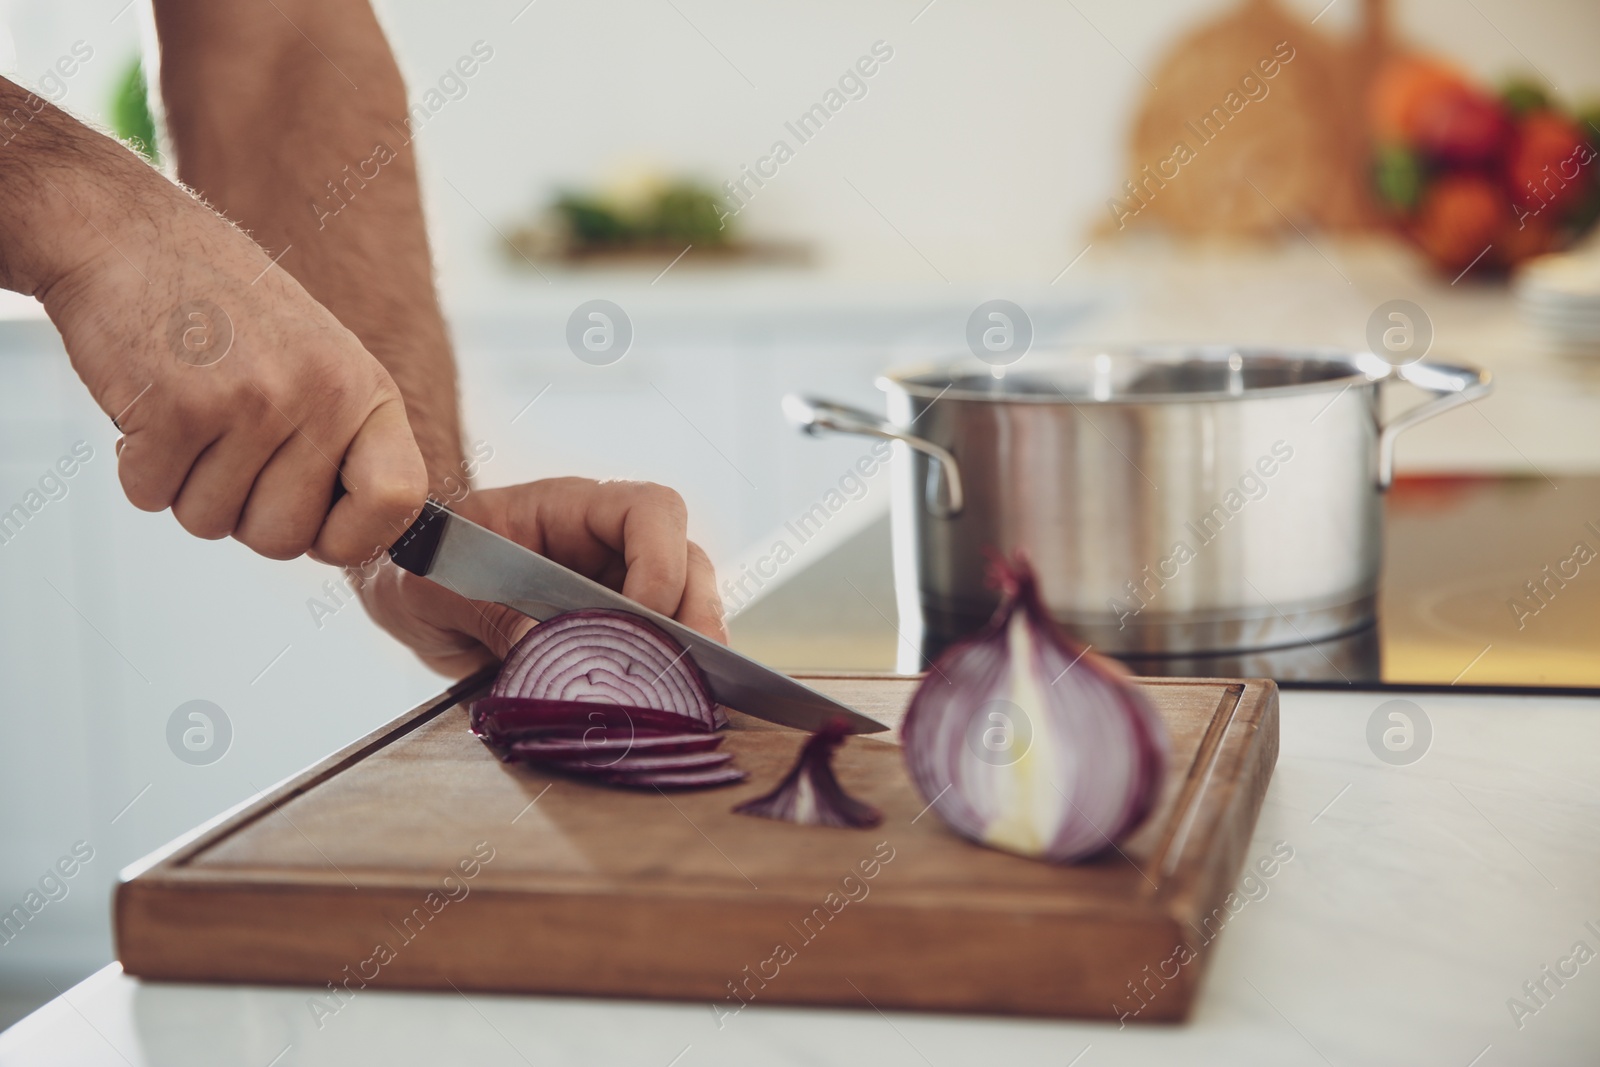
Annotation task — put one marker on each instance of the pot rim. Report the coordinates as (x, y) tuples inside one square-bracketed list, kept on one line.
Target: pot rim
[(1359, 368)]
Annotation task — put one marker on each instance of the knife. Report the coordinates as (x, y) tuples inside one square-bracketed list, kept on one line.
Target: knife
[(481, 565)]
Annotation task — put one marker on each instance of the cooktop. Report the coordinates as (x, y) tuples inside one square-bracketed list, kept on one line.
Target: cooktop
[(1489, 584)]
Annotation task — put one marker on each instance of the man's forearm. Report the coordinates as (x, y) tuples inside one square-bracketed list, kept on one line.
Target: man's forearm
[(68, 196), (290, 118)]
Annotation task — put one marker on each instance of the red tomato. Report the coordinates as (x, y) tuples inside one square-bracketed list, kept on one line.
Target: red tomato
[(1459, 125), (1521, 240), (1460, 216), (1400, 91), (1552, 166)]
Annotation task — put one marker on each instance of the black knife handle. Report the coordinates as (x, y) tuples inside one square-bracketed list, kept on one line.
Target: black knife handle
[(416, 548)]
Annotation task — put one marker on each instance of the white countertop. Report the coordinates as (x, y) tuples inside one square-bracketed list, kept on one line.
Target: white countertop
[(1419, 900)]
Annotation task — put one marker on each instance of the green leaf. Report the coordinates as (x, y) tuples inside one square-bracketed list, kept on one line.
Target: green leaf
[(131, 119), (1523, 95), (688, 213), (1399, 176), (591, 222)]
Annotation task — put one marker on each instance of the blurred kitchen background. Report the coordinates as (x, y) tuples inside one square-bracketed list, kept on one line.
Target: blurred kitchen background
[(975, 162)]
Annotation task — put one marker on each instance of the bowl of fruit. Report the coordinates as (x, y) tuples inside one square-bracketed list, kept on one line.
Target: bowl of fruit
[(1480, 180)]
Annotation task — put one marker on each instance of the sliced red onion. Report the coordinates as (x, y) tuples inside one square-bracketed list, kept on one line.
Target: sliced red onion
[(1024, 741), (631, 764), (503, 719), (567, 748), (644, 757), (607, 657), (810, 794), (679, 779), (606, 695)]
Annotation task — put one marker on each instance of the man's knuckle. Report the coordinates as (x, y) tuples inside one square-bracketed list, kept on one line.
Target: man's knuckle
[(275, 547), (141, 493), (277, 542), (665, 498), (398, 497), (255, 404), (207, 527), (194, 408)]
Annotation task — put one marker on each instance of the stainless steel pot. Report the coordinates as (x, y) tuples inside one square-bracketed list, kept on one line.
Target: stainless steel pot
[(1173, 500)]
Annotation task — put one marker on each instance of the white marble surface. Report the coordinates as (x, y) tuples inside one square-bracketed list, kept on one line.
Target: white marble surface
[(1418, 901)]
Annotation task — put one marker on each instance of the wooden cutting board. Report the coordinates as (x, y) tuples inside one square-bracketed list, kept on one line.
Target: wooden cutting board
[(414, 859)]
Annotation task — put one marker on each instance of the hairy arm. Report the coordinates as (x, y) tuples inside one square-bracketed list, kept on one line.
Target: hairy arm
[(52, 168), (290, 118), (152, 294)]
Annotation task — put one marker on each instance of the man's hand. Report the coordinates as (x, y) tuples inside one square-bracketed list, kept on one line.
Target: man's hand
[(241, 400), (267, 122), (631, 536)]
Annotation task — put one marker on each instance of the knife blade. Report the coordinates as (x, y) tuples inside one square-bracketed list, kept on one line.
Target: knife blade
[(479, 564)]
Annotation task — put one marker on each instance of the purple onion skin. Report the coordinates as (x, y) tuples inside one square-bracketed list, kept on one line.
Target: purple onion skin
[(810, 794), (1060, 782)]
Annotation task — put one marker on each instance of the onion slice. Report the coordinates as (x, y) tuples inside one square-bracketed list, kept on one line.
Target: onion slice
[(501, 719), (679, 779), (1022, 740), (631, 764), (568, 748), (607, 657), (810, 794)]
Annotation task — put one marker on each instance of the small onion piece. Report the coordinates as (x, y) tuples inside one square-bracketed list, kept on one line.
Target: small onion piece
[(607, 657), (810, 794), (1024, 741)]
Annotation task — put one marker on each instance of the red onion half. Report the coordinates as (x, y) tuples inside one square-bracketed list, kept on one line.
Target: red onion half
[(809, 794), (1024, 741), (607, 657), (608, 696)]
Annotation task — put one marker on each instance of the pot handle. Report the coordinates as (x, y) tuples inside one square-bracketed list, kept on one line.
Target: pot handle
[(813, 415), (1455, 385)]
